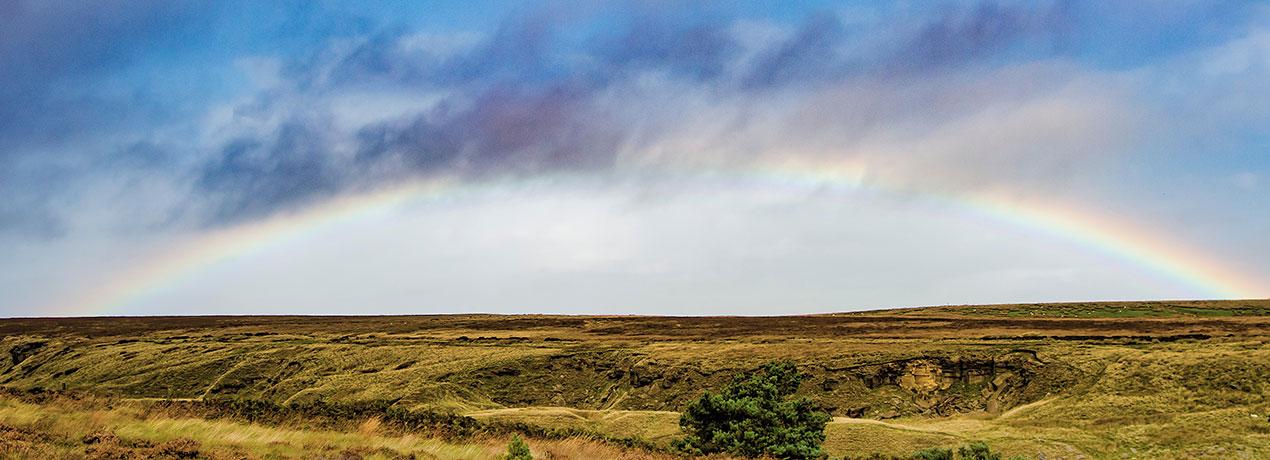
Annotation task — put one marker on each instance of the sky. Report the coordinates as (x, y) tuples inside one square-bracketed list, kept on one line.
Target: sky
[(652, 157)]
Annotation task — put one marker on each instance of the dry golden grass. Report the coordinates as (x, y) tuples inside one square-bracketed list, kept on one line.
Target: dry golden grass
[(64, 428), (1103, 380), (656, 426)]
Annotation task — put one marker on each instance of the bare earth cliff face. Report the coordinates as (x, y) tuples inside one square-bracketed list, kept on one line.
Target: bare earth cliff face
[(1155, 373)]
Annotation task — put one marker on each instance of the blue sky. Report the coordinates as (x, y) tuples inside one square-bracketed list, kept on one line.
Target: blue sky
[(136, 129)]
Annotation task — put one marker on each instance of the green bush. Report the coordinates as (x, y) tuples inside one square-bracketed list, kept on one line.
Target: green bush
[(518, 450), (754, 416), (933, 453), (977, 451)]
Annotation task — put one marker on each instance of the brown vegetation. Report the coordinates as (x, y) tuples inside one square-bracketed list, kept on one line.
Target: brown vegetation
[(1103, 379)]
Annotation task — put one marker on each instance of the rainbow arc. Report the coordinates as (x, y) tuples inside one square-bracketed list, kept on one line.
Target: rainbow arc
[(1121, 240)]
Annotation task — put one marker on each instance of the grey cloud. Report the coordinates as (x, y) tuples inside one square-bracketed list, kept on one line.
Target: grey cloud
[(516, 102), (379, 60), (30, 218), (965, 36), (811, 54), (53, 55), (27, 207), (253, 177), (958, 37), (698, 50), (515, 105), (504, 116), (508, 129), (517, 50), (47, 48), (143, 155)]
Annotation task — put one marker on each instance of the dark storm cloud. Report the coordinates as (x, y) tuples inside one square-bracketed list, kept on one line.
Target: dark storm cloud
[(520, 104), (518, 49), (85, 87), (53, 57), (818, 52), (960, 37), (698, 50), (508, 129), (253, 177), (527, 97), (512, 111)]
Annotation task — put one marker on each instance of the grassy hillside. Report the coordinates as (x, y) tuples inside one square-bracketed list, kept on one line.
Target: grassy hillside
[(1131, 379), (102, 428)]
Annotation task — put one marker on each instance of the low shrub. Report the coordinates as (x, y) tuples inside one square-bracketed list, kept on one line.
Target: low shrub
[(753, 416), (518, 450), (977, 451), (933, 453)]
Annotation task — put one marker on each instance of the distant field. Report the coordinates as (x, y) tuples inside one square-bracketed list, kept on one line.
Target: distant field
[(1102, 380)]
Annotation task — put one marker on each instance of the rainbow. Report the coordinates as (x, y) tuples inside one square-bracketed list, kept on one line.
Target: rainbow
[(1149, 251), (1118, 239)]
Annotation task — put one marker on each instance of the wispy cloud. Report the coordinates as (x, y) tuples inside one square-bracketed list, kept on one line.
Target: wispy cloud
[(154, 118), (517, 102)]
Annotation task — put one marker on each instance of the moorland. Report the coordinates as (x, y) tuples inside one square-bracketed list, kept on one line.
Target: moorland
[(1074, 380)]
